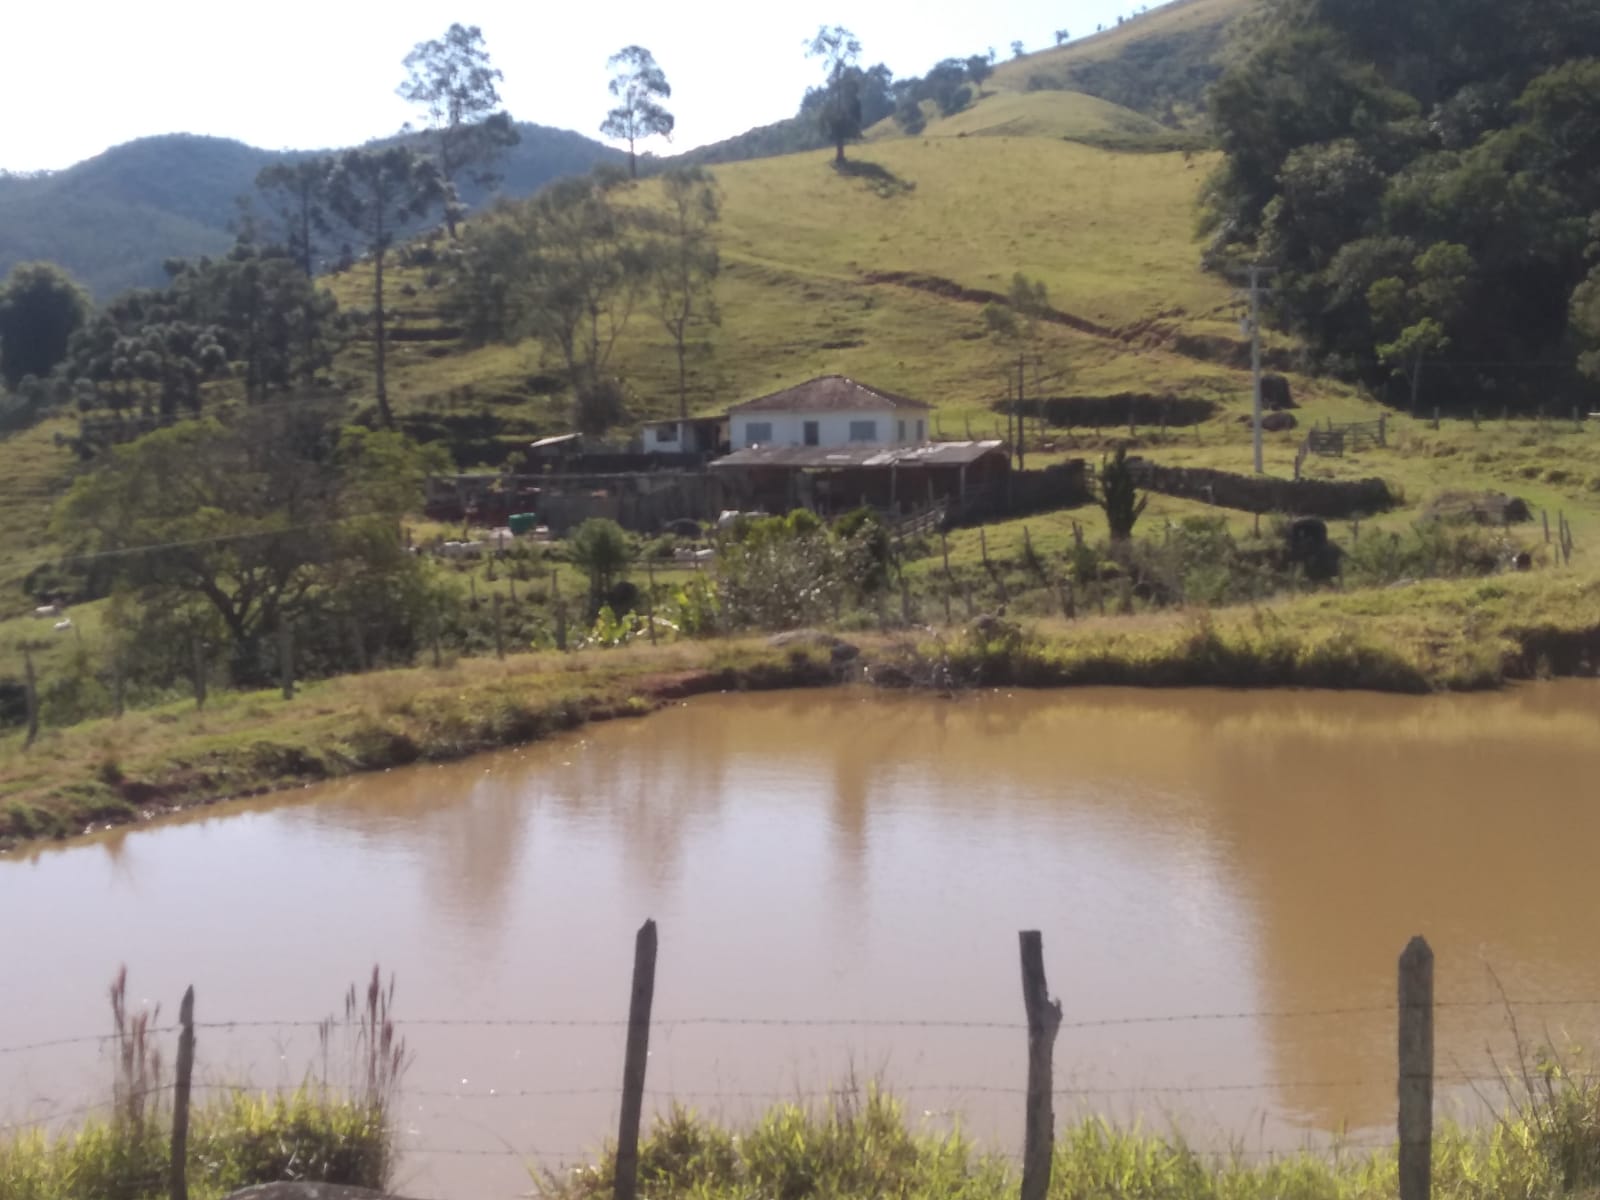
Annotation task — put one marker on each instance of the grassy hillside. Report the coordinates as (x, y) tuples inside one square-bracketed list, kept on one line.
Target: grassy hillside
[(880, 274), (1050, 114), (112, 219), (1155, 62)]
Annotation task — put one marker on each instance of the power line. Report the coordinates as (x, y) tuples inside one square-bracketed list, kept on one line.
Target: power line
[(126, 551)]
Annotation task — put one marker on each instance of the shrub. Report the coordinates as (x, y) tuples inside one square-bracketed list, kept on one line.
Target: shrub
[(600, 547), (1119, 496)]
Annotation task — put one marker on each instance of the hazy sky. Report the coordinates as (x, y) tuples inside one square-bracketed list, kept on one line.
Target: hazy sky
[(77, 76)]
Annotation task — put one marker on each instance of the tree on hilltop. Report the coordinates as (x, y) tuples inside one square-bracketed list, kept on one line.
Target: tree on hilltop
[(978, 69), (839, 109), (451, 78), (372, 193), (909, 116), (640, 85), (685, 265), (299, 193)]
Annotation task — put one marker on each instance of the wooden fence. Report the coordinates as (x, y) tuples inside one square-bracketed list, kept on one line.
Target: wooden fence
[(1043, 1021), (1333, 439)]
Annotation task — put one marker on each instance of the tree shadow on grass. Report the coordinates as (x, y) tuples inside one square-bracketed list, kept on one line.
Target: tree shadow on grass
[(877, 176)]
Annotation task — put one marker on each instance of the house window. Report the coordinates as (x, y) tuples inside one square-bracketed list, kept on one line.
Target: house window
[(900, 431), (922, 434), (813, 433), (757, 433), (666, 433), (863, 431)]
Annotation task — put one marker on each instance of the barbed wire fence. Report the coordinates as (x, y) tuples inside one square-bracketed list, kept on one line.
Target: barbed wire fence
[(1415, 1080)]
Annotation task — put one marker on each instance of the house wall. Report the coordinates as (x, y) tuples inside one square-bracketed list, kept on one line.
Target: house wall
[(833, 428), (685, 437)]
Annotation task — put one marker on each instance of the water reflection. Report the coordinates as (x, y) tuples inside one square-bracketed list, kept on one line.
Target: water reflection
[(872, 856)]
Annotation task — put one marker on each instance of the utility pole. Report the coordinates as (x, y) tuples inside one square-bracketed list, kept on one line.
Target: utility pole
[(1020, 411)]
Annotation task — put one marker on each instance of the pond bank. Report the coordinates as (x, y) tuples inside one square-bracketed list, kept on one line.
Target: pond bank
[(1438, 636)]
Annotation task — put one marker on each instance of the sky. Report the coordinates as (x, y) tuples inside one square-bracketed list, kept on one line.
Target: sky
[(79, 76)]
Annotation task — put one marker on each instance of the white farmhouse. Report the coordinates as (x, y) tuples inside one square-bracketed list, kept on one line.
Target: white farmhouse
[(829, 412)]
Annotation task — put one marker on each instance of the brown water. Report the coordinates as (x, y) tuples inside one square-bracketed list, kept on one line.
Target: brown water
[(1249, 860)]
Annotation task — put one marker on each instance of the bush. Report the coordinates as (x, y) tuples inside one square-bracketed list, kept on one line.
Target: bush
[(601, 548)]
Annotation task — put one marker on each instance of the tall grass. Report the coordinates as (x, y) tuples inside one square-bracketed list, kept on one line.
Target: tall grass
[(1546, 1146), (335, 1128)]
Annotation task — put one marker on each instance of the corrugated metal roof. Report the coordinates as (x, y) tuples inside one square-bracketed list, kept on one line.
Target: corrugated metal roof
[(928, 454), (828, 393), (560, 439)]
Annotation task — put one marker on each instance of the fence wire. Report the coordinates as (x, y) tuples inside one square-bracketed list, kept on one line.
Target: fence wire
[(735, 1022), (557, 1161)]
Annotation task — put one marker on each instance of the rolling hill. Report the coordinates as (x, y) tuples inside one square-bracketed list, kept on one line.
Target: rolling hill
[(112, 219), (882, 272), (1159, 62)]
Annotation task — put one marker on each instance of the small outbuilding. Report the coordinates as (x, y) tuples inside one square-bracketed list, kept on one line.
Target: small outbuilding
[(691, 435)]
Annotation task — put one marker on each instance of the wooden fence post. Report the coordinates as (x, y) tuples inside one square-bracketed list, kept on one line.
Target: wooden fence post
[(178, 1182), (358, 643), (499, 629), (199, 674), (561, 610), (286, 660), (650, 597), (644, 989), (1416, 1070), (31, 696), (1044, 1020), (1544, 515)]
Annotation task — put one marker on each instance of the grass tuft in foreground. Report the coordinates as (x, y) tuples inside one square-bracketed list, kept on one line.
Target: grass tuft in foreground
[(324, 1132), (1546, 1147)]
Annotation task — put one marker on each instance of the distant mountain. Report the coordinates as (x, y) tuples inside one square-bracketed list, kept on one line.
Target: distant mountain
[(788, 136), (112, 219)]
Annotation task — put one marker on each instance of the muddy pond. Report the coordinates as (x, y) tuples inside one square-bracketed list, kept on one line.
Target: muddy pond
[(1223, 881)]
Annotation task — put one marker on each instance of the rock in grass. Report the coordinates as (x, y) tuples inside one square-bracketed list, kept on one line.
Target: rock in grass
[(1478, 508), (839, 650)]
